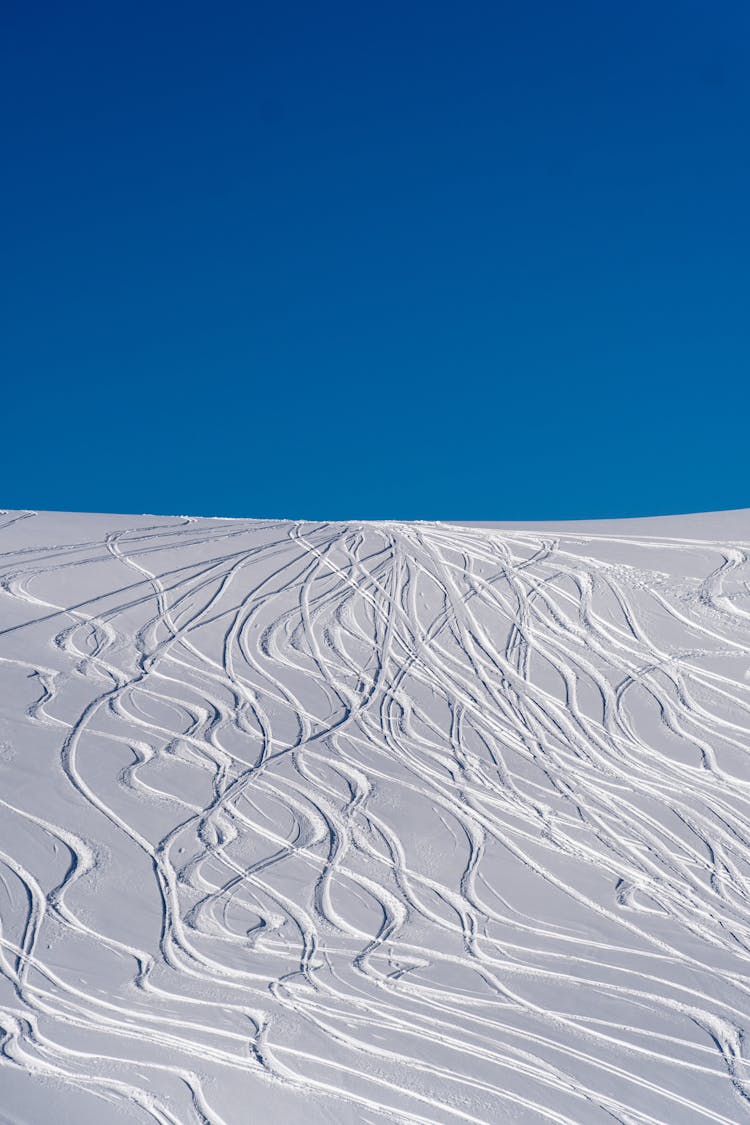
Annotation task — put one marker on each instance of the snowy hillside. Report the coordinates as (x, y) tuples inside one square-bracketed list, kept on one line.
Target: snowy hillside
[(312, 823)]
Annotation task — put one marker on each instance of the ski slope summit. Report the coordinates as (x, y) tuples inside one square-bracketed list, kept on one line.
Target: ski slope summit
[(374, 822)]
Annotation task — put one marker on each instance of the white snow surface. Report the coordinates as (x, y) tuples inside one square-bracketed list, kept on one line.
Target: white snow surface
[(365, 822)]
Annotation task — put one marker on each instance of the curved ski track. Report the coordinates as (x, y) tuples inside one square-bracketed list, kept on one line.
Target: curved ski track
[(372, 822)]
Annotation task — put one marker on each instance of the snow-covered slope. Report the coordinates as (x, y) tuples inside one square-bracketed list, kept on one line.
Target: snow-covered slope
[(363, 822)]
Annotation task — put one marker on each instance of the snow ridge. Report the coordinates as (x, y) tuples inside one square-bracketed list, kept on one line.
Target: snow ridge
[(380, 821)]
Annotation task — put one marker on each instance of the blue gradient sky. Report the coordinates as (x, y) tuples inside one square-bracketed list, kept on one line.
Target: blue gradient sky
[(484, 261)]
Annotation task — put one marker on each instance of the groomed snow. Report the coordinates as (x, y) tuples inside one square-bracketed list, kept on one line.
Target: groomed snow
[(310, 823)]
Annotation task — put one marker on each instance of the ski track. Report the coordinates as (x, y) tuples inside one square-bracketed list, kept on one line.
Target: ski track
[(372, 822)]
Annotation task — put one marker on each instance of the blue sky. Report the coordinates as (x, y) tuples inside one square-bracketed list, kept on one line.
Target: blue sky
[(483, 261)]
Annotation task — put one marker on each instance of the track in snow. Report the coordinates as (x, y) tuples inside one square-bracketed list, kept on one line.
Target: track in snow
[(372, 822)]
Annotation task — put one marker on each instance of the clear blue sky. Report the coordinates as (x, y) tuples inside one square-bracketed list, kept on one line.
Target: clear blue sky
[(391, 260)]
